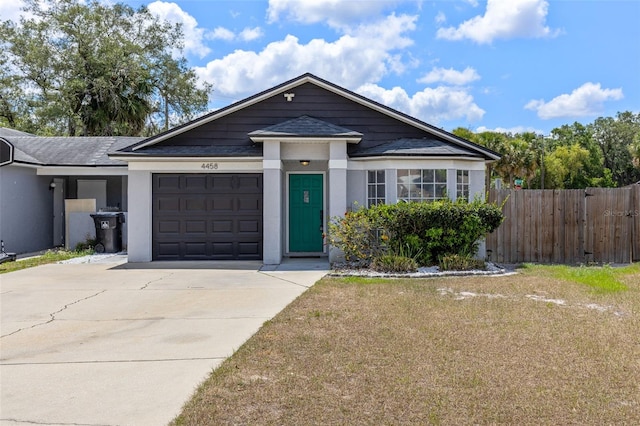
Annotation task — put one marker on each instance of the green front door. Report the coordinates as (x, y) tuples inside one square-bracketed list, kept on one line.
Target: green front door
[(305, 213)]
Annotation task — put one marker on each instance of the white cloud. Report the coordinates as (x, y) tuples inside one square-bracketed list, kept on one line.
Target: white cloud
[(221, 33), (450, 76), (249, 34), (349, 61), (440, 18), (193, 35), (586, 100), (432, 105), (336, 13), (503, 19)]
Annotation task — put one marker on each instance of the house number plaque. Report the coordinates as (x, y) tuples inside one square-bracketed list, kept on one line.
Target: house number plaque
[(209, 166), (305, 197)]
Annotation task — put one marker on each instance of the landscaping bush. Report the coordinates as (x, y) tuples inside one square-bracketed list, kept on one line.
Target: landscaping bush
[(425, 232), (357, 236)]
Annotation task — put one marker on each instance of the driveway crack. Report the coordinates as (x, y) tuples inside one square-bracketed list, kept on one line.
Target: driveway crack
[(53, 315), (285, 280), (144, 287)]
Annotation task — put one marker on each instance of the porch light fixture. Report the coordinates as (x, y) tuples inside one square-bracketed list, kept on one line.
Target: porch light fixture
[(52, 186), (305, 162)]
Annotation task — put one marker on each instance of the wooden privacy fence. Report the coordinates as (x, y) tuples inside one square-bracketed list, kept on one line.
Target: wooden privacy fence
[(567, 226)]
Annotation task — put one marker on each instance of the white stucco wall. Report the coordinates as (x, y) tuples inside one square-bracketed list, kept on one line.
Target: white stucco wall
[(139, 216)]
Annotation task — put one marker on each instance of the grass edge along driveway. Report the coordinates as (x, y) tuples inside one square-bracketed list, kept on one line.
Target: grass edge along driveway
[(545, 346), (50, 256)]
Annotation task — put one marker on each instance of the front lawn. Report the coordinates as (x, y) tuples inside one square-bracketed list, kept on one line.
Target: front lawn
[(539, 347)]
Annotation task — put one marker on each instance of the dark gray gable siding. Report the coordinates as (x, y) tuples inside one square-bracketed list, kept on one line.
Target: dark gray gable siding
[(311, 100)]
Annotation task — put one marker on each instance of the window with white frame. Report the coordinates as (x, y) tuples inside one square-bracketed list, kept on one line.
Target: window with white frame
[(462, 184), (422, 185), (375, 187)]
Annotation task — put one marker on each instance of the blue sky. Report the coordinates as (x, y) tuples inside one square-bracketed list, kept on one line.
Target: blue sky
[(508, 65)]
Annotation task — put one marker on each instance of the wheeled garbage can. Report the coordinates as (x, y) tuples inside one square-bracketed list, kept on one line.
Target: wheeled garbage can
[(108, 231)]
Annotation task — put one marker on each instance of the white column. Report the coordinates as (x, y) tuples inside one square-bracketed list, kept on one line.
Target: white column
[(272, 211), (139, 216), (452, 184), (476, 184), (337, 186)]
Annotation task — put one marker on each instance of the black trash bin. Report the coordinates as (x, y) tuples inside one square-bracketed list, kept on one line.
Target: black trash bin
[(108, 231)]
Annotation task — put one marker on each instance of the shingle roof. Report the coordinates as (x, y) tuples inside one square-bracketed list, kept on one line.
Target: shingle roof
[(69, 151), (417, 147), (12, 132), (202, 151), (305, 126)]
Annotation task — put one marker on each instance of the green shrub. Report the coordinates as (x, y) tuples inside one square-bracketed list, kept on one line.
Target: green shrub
[(456, 262), (424, 231), (394, 263), (356, 235)]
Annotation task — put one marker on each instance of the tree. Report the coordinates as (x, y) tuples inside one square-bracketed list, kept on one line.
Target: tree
[(93, 68), (615, 137), (593, 170), (634, 150), (495, 141), (519, 154), (565, 165)]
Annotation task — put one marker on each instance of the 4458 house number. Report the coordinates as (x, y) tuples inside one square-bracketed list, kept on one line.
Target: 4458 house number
[(209, 166)]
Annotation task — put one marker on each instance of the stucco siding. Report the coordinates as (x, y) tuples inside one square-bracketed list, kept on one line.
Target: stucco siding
[(26, 212), (139, 217), (356, 189)]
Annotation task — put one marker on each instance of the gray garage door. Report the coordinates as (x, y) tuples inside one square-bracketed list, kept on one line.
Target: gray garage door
[(207, 216)]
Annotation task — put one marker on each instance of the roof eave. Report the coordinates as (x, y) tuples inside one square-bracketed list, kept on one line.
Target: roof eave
[(414, 156), (174, 157)]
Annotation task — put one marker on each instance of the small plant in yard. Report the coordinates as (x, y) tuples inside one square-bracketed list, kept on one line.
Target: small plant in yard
[(88, 244), (456, 262), (394, 263), (356, 235)]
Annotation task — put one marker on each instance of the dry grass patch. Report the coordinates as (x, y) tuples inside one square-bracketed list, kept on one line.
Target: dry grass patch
[(524, 349)]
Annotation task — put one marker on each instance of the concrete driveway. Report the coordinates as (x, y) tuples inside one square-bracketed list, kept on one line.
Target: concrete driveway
[(114, 343)]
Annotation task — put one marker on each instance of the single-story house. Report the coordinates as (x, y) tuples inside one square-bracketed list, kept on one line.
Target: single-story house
[(261, 178), (50, 185), (257, 180)]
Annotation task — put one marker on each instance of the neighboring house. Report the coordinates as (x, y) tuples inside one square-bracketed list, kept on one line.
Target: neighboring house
[(261, 178), (37, 175)]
